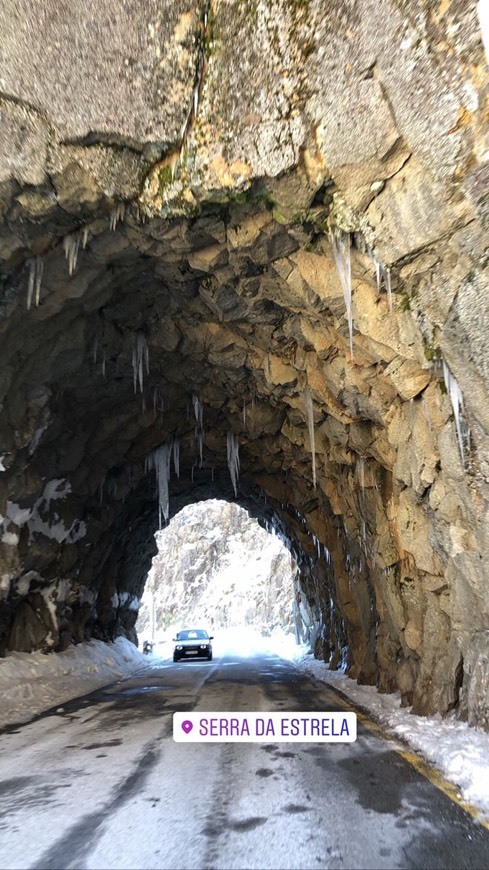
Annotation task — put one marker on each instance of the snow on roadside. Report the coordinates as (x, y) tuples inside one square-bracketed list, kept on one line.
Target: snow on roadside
[(459, 751), (31, 683)]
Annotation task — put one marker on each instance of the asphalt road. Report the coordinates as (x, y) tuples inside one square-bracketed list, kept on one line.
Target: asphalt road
[(100, 783)]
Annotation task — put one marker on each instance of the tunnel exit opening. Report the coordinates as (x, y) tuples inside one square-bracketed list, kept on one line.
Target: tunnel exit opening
[(217, 568)]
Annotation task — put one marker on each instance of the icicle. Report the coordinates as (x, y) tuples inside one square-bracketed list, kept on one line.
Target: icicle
[(71, 245), (199, 425), (140, 359), (266, 369), (117, 214), (103, 365), (160, 461), (382, 273), (388, 286), (84, 237), (378, 270), (198, 410), (176, 456), (101, 491), (310, 426), (143, 404), (95, 346), (341, 250), (361, 473), (36, 268), (233, 459), (457, 401)]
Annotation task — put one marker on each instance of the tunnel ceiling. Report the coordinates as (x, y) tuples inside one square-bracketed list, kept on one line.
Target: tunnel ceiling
[(244, 246)]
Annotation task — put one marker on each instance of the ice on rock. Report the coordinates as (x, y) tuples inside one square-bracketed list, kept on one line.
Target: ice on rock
[(360, 469), (159, 459), (457, 401), (341, 245), (382, 273), (36, 268), (199, 425), (117, 214), (176, 456), (388, 287), (310, 426), (71, 246), (233, 459), (158, 400), (140, 360)]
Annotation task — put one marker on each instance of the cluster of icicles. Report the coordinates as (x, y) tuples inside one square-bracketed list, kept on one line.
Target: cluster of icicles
[(71, 247), (341, 244), (160, 461)]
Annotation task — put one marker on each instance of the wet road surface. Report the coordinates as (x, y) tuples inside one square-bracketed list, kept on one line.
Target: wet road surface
[(100, 783)]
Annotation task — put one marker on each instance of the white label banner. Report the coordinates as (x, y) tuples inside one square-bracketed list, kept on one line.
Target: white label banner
[(206, 727)]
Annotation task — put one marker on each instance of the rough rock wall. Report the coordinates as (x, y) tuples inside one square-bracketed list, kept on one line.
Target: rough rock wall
[(181, 189)]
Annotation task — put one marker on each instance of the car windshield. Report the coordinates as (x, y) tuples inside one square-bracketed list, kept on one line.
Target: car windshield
[(193, 634)]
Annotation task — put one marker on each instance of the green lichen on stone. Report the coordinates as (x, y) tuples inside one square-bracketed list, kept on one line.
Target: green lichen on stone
[(165, 176), (405, 305)]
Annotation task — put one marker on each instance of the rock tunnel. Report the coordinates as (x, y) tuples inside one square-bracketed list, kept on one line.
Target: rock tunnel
[(244, 251)]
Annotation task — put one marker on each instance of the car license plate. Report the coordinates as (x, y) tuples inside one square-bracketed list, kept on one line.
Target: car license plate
[(191, 652)]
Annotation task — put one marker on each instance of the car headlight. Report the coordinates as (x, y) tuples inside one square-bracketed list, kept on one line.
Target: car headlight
[(179, 647), (204, 645)]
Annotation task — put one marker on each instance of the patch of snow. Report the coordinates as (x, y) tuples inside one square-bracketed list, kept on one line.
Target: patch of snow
[(22, 585), (86, 595), (55, 489), (10, 538), (31, 683), (483, 13), (461, 752), (19, 516), (36, 438)]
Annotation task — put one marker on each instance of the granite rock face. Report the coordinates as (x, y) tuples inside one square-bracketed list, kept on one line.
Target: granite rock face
[(183, 194)]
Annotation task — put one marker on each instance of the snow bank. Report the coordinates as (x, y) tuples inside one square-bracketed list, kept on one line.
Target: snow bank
[(33, 682), (459, 751)]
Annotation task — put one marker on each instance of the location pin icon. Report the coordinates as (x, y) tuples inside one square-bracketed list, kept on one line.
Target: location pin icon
[(187, 726)]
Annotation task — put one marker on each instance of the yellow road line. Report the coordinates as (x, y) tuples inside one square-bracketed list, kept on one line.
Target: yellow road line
[(423, 767)]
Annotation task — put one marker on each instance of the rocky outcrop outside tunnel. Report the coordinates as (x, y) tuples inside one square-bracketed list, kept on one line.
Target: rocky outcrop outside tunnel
[(180, 277)]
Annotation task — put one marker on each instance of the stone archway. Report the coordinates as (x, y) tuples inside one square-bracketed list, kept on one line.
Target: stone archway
[(267, 269)]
